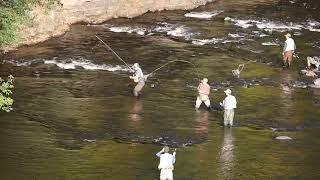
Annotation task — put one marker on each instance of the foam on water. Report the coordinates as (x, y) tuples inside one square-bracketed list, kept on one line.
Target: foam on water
[(203, 15), (174, 30), (270, 26), (70, 64), (170, 29), (17, 63), (241, 23), (313, 26), (163, 27), (86, 64), (260, 34), (237, 35), (202, 42), (180, 32), (270, 44), (137, 30)]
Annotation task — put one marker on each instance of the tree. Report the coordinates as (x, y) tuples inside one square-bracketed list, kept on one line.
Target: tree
[(5, 91)]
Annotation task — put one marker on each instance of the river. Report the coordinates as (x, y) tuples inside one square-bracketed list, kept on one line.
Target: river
[(75, 118)]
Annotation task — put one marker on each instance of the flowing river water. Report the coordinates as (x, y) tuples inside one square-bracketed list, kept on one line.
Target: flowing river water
[(74, 115)]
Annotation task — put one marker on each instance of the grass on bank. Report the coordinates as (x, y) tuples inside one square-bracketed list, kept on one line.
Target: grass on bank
[(13, 13)]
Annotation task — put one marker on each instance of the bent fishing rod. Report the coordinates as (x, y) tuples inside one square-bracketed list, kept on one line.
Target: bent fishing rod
[(109, 48)]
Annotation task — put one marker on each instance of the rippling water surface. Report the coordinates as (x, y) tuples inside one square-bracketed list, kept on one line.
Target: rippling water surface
[(74, 116)]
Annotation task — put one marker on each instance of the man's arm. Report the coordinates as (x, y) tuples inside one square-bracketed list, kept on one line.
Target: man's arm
[(134, 75), (223, 103), (160, 152), (174, 157), (284, 47), (199, 86)]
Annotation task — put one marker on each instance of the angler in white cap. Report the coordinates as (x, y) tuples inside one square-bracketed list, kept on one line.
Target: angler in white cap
[(204, 91), (288, 50), (229, 104), (166, 163), (139, 78)]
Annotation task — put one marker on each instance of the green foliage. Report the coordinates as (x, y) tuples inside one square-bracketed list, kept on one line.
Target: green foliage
[(5, 91), (13, 13)]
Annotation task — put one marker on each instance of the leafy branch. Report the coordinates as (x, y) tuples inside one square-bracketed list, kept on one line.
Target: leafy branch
[(6, 87)]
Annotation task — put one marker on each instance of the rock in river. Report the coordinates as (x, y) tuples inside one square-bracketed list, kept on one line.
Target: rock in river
[(283, 138)]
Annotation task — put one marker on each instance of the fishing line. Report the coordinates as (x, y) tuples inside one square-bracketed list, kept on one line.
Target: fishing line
[(146, 76), (109, 48), (176, 61)]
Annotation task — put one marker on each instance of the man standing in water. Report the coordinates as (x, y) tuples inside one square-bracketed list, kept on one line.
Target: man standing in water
[(204, 91), (229, 104), (166, 163), (139, 78), (288, 50)]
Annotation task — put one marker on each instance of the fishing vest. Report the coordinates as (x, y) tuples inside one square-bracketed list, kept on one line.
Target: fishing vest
[(166, 161)]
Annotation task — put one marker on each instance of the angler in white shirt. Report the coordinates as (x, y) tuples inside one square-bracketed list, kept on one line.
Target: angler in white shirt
[(229, 104), (288, 50), (166, 163), (139, 78)]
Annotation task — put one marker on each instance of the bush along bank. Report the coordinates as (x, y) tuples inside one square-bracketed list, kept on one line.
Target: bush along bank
[(13, 13)]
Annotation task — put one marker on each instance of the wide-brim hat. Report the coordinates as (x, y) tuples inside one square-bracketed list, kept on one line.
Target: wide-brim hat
[(228, 91)]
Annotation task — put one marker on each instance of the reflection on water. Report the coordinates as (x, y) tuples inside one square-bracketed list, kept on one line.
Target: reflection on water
[(134, 115), (286, 95), (202, 122), (226, 155)]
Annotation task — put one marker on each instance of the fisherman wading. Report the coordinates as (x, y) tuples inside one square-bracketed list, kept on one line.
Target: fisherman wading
[(166, 163), (229, 104), (288, 51), (139, 78), (204, 91)]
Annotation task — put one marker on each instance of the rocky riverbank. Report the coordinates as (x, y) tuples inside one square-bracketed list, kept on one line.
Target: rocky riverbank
[(57, 20)]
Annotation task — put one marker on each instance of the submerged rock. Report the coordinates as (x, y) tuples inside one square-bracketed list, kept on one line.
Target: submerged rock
[(90, 140), (172, 141), (283, 138), (245, 83), (316, 83), (295, 84), (308, 73)]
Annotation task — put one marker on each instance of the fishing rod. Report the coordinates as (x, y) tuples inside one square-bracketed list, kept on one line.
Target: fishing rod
[(175, 61), (109, 48)]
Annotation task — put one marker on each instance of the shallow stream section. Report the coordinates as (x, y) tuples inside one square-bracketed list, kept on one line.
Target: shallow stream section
[(74, 115)]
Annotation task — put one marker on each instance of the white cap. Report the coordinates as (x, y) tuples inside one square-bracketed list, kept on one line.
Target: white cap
[(204, 80), (166, 149), (135, 65), (228, 91), (288, 35)]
